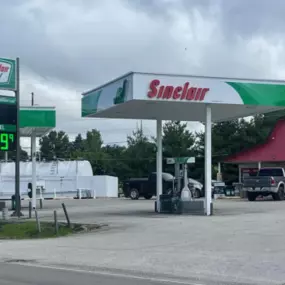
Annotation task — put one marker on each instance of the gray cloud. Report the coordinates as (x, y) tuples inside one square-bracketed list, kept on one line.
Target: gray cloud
[(250, 18), (71, 46)]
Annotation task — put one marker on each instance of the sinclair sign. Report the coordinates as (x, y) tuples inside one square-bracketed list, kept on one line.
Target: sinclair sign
[(7, 74), (184, 92)]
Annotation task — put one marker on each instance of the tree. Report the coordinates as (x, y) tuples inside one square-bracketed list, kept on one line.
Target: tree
[(92, 151), (140, 154), (116, 163), (78, 144), (55, 145), (77, 147), (138, 158), (225, 141), (177, 140)]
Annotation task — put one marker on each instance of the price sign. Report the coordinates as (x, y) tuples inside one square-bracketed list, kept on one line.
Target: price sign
[(8, 121), (7, 141)]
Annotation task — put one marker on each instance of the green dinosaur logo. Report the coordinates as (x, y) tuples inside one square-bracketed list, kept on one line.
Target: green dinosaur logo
[(121, 93)]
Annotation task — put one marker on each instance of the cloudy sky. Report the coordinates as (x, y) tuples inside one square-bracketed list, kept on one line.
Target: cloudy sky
[(69, 46)]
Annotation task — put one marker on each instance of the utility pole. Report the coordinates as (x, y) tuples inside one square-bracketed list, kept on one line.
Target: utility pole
[(18, 212), (32, 104), (32, 94)]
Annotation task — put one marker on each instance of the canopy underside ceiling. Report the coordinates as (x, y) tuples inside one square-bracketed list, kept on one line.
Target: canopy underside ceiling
[(39, 132), (181, 111)]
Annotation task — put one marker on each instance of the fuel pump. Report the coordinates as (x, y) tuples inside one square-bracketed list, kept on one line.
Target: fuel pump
[(186, 194), (184, 161)]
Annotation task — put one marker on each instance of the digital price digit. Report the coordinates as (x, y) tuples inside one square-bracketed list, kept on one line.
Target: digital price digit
[(6, 140)]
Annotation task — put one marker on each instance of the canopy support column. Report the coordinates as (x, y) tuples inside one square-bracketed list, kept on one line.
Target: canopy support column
[(158, 163), (34, 169), (208, 160)]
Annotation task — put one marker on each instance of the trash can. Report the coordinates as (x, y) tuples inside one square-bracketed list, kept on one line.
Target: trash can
[(229, 191), (165, 203), (13, 200)]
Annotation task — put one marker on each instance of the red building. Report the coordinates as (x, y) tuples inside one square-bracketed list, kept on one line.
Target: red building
[(269, 153)]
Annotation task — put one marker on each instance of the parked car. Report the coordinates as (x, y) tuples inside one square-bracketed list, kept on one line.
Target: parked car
[(269, 181), (135, 188), (200, 189)]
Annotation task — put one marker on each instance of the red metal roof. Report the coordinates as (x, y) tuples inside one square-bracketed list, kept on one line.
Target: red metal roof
[(270, 151)]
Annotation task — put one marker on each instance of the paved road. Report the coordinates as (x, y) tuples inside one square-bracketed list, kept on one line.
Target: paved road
[(28, 274), (15, 274)]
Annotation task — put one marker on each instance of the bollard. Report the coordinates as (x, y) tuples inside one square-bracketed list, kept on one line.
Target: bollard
[(41, 203), (5, 214), (30, 209), (13, 201), (38, 221), (80, 193), (55, 222), (66, 215)]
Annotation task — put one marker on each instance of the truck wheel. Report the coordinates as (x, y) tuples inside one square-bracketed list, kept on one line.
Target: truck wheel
[(280, 195), (147, 196), (251, 196), (134, 194)]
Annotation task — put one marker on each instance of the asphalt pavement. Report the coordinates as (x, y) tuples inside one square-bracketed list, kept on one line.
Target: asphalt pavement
[(27, 274), (241, 242)]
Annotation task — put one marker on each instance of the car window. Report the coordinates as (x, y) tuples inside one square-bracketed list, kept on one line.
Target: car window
[(270, 172)]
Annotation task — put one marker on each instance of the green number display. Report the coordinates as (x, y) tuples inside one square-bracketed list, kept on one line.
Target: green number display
[(7, 141), (4, 141)]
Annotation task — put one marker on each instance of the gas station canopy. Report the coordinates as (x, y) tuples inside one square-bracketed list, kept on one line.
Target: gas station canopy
[(138, 95), (36, 120), (181, 97)]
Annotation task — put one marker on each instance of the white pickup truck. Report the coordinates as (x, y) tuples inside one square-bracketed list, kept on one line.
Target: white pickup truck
[(269, 181)]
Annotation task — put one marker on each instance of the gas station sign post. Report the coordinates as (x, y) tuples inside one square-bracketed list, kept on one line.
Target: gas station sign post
[(9, 118)]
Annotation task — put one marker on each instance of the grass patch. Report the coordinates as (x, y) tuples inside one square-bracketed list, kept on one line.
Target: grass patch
[(28, 230)]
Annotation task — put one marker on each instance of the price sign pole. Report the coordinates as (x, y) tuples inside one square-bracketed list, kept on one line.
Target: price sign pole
[(9, 119), (18, 147)]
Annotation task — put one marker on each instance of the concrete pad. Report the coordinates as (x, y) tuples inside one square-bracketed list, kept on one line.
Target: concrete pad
[(242, 241)]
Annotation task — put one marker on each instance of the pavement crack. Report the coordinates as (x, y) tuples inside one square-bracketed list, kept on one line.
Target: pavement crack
[(20, 261)]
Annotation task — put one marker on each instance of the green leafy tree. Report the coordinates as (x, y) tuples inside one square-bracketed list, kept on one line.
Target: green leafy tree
[(78, 144), (177, 139), (92, 151), (140, 154), (116, 162), (225, 141), (138, 158), (55, 145), (77, 147)]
